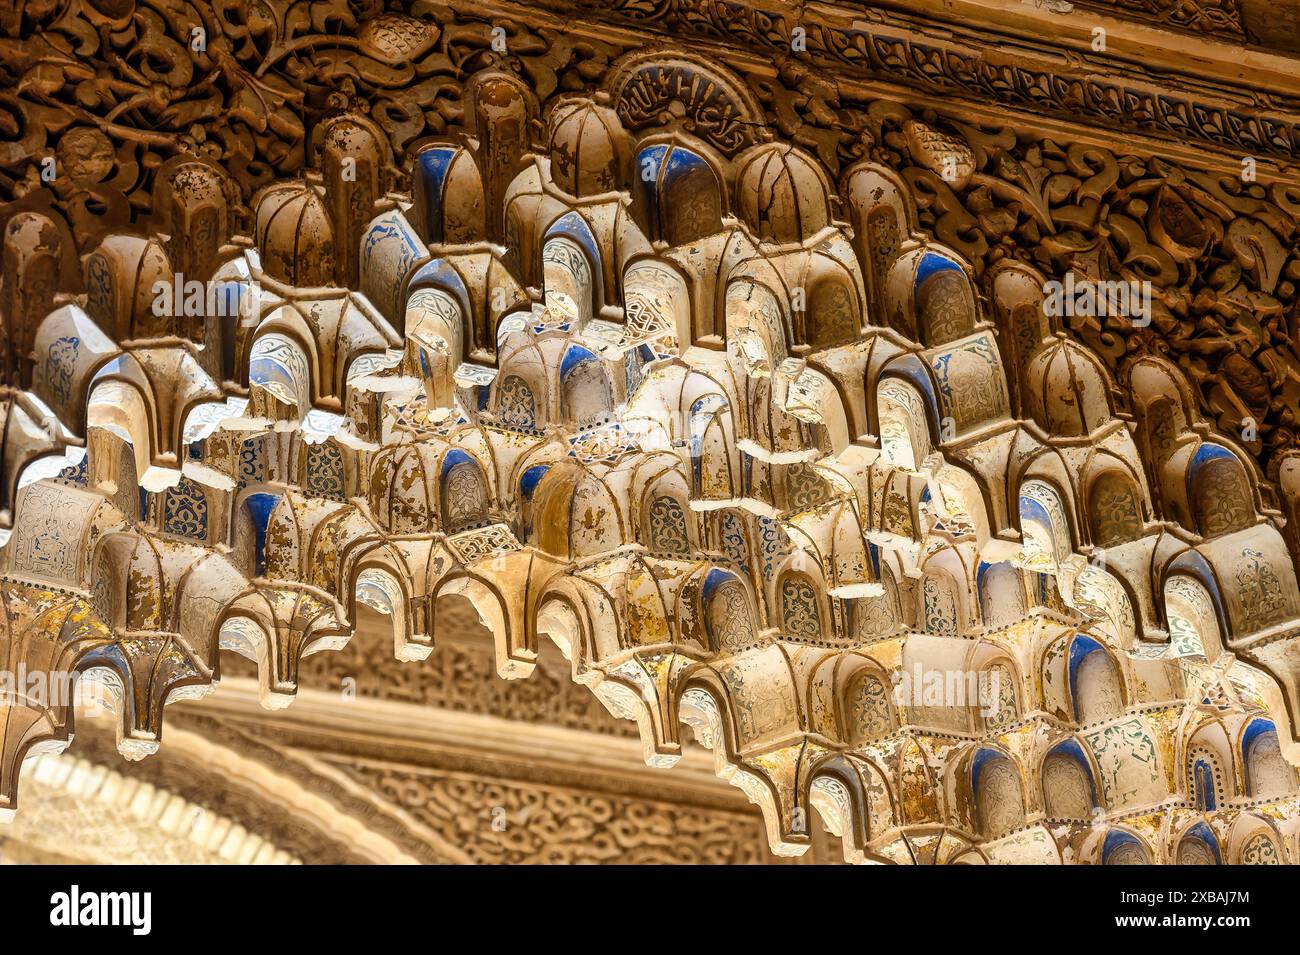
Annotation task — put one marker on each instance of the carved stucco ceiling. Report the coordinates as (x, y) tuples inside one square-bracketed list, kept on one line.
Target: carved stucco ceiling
[(732, 378)]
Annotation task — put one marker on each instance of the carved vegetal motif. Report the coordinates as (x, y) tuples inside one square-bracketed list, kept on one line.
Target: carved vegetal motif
[(730, 617), (517, 408), (1066, 789), (1126, 757), (799, 612), (1192, 851), (1260, 850), (1000, 801), (498, 823), (869, 714), (668, 533), (1210, 16), (1005, 710), (1115, 513)]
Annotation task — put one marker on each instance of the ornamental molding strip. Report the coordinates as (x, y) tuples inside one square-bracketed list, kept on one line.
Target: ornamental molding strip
[(906, 411)]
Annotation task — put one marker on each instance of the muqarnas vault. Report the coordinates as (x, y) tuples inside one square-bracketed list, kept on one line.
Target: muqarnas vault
[(770, 444)]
